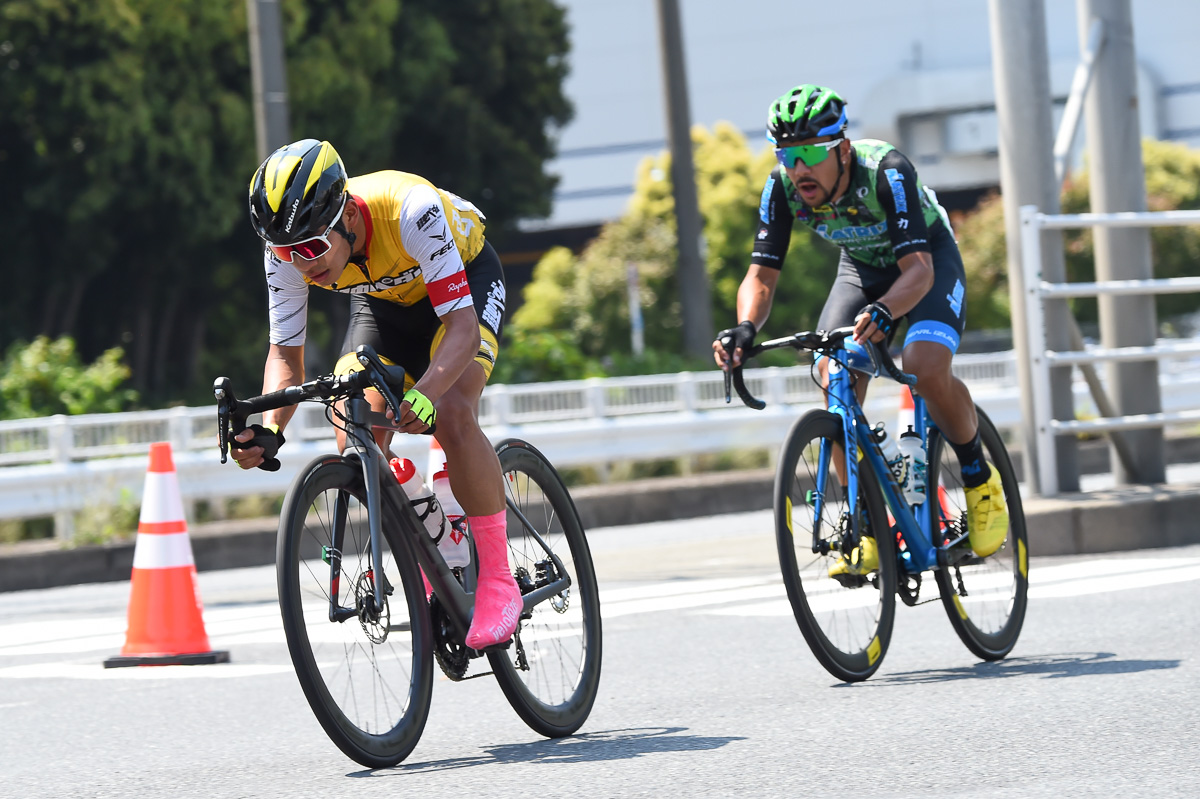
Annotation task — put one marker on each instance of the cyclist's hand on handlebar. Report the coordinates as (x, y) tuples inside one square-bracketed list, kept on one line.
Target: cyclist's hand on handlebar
[(256, 446), (417, 413), (733, 343), (873, 323)]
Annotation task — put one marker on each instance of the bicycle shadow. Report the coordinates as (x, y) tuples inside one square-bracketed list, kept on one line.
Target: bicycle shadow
[(1045, 666), (588, 747)]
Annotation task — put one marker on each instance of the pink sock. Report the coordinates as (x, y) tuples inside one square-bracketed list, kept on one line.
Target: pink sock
[(497, 598)]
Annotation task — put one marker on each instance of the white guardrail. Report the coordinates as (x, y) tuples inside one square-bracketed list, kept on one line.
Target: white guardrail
[(1046, 427), (57, 465)]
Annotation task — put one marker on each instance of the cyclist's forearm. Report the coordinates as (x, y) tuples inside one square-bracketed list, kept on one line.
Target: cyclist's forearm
[(755, 295), (284, 368), (916, 278)]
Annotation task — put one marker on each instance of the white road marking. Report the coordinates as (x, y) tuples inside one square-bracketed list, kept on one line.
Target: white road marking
[(761, 596)]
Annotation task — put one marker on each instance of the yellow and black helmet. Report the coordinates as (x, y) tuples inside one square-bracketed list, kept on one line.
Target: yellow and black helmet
[(297, 192)]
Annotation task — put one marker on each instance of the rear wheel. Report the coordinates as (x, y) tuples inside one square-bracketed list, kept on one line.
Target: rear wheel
[(551, 672), (985, 598), (846, 619), (367, 675)]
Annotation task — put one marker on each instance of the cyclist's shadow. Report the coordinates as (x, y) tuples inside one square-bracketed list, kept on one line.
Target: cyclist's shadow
[(585, 747), (1046, 666)]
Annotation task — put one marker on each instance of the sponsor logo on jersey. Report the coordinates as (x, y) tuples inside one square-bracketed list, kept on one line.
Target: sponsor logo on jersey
[(851, 233), (902, 223), (764, 203), (956, 298), (440, 251), (493, 311), (441, 236), (382, 283), (762, 233), (893, 179), (862, 192), (457, 288), (432, 213)]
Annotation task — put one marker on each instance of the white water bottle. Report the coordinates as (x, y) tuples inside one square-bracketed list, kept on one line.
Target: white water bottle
[(455, 547), (891, 454), (426, 505), (914, 455)]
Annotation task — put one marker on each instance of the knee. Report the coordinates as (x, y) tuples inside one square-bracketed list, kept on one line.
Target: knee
[(455, 418), (932, 376)]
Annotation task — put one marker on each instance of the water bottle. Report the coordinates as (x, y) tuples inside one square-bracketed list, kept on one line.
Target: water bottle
[(914, 455), (455, 547), (427, 507), (891, 453)]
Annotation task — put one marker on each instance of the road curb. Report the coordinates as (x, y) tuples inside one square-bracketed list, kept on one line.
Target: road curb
[(1104, 521)]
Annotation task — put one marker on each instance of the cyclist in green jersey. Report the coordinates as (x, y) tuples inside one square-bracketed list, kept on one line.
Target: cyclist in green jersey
[(899, 260)]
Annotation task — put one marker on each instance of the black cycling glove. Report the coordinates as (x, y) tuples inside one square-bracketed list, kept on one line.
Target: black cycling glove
[(881, 316), (740, 337), (267, 438)]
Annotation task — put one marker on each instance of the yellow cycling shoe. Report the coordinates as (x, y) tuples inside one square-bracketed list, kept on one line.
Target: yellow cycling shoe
[(987, 516), (863, 559)]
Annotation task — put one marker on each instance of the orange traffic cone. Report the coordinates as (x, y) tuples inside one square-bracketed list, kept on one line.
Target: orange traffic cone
[(165, 623), (906, 416)]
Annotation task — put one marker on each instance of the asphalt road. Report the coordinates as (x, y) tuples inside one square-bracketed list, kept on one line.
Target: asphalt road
[(708, 689)]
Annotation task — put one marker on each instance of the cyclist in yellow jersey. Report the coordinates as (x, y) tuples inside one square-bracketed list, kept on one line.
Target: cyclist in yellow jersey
[(426, 291)]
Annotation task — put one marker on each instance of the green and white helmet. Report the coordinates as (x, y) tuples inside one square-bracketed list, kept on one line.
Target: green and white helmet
[(805, 112)]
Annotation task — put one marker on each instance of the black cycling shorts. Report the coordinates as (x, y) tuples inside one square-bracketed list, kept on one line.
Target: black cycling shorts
[(408, 335), (939, 316)]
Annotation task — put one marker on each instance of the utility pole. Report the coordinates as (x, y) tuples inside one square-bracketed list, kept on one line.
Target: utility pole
[(1118, 183), (268, 72), (1021, 74), (694, 299)]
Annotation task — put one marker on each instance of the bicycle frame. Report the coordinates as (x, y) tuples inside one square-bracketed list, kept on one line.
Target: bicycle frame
[(458, 602), (913, 523)]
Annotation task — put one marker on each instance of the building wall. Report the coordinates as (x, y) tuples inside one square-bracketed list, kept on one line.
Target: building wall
[(915, 72)]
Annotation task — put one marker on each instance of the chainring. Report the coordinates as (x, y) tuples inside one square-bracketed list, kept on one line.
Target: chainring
[(452, 655)]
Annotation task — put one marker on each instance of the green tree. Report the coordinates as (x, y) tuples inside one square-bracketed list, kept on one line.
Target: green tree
[(128, 135), (1172, 183), (47, 377), (586, 295)]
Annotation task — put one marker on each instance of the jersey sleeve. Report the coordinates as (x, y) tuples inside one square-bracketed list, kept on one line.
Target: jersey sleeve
[(774, 225), (427, 238), (896, 188), (287, 301)]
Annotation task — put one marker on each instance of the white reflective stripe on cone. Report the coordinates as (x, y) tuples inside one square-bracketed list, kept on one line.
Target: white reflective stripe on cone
[(162, 551), (161, 501)]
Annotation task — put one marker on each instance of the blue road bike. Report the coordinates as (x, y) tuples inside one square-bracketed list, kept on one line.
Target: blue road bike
[(833, 488)]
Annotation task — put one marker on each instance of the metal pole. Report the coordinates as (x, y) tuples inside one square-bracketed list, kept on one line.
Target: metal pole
[(634, 295), (1021, 74), (695, 303), (1118, 183), (268, 73), (1031, 261)]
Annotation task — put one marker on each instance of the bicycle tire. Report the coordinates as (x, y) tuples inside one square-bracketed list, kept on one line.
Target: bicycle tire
[(990, 621), (849, 633), (372, 697), (551, 672)]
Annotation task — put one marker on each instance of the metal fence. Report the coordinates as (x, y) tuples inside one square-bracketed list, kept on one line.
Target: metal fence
[(59, 465), (1175, 355)]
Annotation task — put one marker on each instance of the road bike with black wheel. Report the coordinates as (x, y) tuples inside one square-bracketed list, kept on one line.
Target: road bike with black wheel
[(834, 488), (363, 637)]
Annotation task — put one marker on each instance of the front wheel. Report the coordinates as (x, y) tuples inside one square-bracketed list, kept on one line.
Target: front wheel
[(367, 672), (985, 598), (845, 618), (551, 672)]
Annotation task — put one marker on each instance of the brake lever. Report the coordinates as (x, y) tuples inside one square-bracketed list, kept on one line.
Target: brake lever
[(374, 368), (223, 389)]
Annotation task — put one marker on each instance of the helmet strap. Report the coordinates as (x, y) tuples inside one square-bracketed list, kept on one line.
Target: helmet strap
[(338, 227)]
